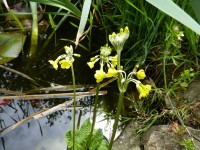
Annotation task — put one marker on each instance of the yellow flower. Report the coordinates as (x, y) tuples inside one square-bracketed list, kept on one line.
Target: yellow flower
[(91, 64), (99, 75), (143, 90), (140, 74), (65, 64), (114, 61), (54, 64), (112, 72)]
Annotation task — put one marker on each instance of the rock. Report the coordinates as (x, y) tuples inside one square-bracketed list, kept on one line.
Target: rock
[(160, 138), (128, 140), (163, 137), (193, 93)]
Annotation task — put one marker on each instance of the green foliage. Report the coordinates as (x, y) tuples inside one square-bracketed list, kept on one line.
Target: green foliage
[(64, 4), (82, 138), (186, 77), (188, 144)]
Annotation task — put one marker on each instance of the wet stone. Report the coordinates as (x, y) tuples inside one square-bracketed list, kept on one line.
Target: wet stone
[(128, 140)]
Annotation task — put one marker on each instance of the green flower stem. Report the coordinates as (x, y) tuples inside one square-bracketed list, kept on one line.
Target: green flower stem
[(115, 126), (74, 118), (95, 110), (119, 68), (120, 101)]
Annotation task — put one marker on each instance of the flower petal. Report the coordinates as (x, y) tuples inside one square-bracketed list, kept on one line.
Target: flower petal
[(112, 72), (54, 64), (99, 75), (140, 74)]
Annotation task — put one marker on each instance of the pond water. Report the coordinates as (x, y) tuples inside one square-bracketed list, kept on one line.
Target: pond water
[(48, 133), (43, 134)]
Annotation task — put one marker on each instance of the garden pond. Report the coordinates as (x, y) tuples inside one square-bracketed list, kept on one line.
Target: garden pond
[(24, 77)]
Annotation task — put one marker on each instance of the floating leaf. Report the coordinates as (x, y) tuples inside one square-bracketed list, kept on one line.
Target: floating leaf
[(11, 45)]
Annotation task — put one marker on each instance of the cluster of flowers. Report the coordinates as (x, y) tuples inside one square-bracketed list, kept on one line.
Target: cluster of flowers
[(110, 62), (105, 59), (65, 60)]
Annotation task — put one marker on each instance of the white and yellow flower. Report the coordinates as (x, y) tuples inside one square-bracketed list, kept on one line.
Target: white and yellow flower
[(65, 60), (118, 40)]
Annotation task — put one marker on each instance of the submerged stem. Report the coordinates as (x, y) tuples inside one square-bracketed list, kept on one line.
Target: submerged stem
[(74, 118), (115, 126)]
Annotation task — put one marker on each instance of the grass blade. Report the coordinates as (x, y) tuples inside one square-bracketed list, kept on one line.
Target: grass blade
[(171, 9), (83, 21)]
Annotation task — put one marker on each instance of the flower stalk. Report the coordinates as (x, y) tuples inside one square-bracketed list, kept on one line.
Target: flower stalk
[(66, 62), (74, 108), (115, 125), (95, 111), (107, 70)]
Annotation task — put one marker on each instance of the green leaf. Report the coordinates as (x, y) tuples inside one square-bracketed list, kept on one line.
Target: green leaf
[(82, 137), (183, 84), (52, 21), (83, 21), (170, 8), (96, 139), (64, 4), (11, 45), (104, 145), (68, 138)]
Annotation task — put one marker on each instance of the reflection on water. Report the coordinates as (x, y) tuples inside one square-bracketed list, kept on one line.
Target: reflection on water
[(46, 133), (43, 134)]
